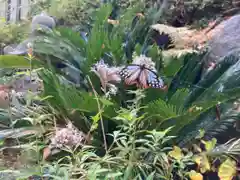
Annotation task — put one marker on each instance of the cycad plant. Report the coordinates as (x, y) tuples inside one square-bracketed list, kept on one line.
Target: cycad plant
[(74, 93), (78, 55)]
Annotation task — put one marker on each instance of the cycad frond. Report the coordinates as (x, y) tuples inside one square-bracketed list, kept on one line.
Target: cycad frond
[(68, 99), (187, 74), (65, 97), (162, 109), (171, 112), (230, 148), (178, 98), (207, 119), (208, 81)]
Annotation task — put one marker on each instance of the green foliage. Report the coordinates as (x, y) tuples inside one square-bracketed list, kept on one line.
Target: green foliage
[(78, 13), (133, 154), (212, 78), (129, 133), (39, 6), (13, 33), (222, 81), (129, 145), (12, 61)]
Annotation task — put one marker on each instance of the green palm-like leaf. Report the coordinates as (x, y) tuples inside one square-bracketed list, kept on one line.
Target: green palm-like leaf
[(73, 37), (204, 86), (13, 61), (165, 114), (230, 148), (162, 109), (64, 51), (207, 121), (66, 98), (98, 37), (161, 112), (172, 66), (178, 98), (217, 128), (187, 73), (225, 84)]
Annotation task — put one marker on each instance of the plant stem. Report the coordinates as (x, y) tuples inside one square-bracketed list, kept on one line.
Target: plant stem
[(100, 114)]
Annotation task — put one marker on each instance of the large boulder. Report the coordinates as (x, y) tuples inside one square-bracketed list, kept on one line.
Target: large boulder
[(225, 39), (182, 39), (221, 41), (43, 21), (20, 49)]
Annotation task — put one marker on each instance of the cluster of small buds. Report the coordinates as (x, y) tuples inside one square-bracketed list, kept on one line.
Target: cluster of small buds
[(146, 61), (69, 136), (111, 73), (106, 74), (113, 89)]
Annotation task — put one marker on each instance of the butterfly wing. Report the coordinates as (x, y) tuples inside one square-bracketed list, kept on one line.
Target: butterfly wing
[(143, 79), (131, 74), (153, 80)]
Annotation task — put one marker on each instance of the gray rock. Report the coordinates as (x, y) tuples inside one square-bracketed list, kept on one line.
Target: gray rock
[(8, 49), (225, 41), (20, 49), (25, 83), (43, 21)]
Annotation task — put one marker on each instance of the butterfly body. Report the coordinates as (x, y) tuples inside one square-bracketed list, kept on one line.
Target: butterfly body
[(141, 75)]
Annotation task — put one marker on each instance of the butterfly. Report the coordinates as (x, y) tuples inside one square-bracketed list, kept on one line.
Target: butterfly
[(142, 76)]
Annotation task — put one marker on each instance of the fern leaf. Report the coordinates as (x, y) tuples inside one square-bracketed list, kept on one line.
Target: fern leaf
[(162, 109), (67, 98), (213, 77), (207, 119), (187, 73), (178, 98)]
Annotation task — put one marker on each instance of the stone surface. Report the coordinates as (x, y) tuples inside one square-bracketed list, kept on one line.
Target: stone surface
[(225, 39), (20, 49), (177, 34), (44, 21), (221, 41)]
